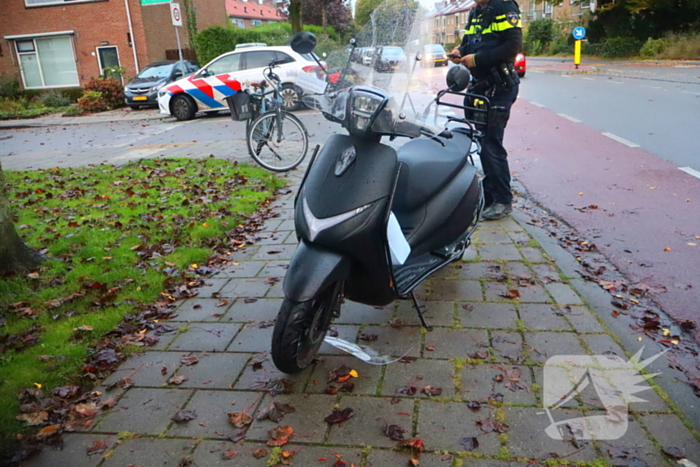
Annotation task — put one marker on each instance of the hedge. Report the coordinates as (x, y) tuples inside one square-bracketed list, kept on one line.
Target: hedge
[(216, 40)]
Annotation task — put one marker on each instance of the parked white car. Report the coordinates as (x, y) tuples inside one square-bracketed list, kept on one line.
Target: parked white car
[(207, 90)]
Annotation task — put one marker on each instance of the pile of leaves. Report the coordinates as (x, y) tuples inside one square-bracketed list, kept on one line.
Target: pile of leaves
[(122, 244)]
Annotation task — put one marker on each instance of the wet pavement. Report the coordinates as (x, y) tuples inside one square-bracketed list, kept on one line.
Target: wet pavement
[(473, 393)]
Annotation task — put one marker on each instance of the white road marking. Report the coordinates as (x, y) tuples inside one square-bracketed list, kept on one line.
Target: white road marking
[(537, 104), (691, 92), (568, 117), (615, 82), (621, 140), (652, 87), (589, 79), (690, 171), (566, 76), (532, 70)]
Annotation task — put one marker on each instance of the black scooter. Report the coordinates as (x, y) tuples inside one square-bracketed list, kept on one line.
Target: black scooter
[(374, 223)]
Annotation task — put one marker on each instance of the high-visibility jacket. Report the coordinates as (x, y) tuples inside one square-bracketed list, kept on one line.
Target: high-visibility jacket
[(493, 32)]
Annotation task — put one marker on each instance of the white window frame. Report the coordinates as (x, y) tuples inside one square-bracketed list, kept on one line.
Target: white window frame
[(548, 8), (254, 21), (38, 61), (97, 53), (56, 2), (586, 6)]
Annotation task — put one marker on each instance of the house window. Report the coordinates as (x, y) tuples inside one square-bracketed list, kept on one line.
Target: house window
[(548, 8), (53, 2), (239, 23), (48, 62), (586, 4), (256, 22)]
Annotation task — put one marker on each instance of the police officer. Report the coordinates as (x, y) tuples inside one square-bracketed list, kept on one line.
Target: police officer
[(492, 39)]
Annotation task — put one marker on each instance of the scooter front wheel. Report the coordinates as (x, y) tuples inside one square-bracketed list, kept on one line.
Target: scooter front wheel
[(300, 330)]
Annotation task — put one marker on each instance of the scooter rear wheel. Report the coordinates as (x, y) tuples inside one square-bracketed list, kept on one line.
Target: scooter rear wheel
[(300, 329)]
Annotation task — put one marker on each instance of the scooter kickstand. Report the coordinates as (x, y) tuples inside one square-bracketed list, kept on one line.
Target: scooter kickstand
[(419, 310)]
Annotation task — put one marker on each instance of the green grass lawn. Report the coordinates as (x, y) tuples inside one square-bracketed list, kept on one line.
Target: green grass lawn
[(95, 224)]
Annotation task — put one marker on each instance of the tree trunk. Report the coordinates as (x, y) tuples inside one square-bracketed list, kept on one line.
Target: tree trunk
[(295, 15), (15, 256), (323, 16)]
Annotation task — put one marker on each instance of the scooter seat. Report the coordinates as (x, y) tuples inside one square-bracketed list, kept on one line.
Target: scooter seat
[(426, 167)]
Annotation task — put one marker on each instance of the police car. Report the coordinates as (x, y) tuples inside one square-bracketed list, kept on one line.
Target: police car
[(207, 90)]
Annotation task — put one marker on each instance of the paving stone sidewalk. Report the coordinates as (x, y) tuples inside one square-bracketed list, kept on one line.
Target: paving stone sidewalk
[(480, 335)]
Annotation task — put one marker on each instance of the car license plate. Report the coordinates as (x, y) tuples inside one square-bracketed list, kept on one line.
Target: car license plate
[(140, 98), (394, 68)]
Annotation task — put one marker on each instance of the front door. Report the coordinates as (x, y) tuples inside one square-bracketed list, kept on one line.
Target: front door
[(108, 57)]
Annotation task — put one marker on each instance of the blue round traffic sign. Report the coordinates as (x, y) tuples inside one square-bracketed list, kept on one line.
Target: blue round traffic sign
[(579, 32)]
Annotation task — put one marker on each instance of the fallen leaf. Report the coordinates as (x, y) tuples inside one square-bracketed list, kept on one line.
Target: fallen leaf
[(409, 390), (275, 411), (340, 416), (512, 294), (394, 432), (414, 444), (469, 444), (474, 405), (240, 419), (667, 249), (228, 455), (182, 416), (259, 453), (191, 360), (48, 431), (279, 436), (491, 424), (177, 380), (97, 447), (34, 419), (431, 391), (368, 337)]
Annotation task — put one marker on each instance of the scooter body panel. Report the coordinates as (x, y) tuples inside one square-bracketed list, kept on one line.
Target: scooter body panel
[(314, 268), (327, 215)]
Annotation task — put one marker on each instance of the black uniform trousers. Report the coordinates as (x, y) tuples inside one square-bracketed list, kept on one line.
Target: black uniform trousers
[(494, 157)]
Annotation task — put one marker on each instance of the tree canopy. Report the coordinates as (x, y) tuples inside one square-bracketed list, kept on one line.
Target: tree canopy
[(337, 13)]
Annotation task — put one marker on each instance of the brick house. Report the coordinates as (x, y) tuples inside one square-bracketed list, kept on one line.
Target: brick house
[(63, 43), (447, 20), (567, 12), (246, 14)]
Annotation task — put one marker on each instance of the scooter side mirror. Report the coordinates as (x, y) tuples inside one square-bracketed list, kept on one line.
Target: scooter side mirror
[(418, 57), (303, 42), (458, 78)]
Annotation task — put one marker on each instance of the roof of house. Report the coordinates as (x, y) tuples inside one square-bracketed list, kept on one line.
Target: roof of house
[(252, 10)]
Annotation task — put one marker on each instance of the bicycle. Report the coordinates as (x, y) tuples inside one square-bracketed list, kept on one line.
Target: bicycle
[(269, 144)]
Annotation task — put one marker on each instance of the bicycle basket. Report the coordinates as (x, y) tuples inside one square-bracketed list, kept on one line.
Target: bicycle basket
[(241, 105)]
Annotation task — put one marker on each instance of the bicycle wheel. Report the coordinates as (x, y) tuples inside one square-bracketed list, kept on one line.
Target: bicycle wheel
[(277, 149)]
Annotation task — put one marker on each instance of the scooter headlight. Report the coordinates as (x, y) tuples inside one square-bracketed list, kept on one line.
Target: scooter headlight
[(364, 107)]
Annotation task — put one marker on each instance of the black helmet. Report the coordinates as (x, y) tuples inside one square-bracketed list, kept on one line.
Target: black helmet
[(458, 78), (303, 42)]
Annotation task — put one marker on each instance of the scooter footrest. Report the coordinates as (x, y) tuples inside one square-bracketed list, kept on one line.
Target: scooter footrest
[(414, 270)]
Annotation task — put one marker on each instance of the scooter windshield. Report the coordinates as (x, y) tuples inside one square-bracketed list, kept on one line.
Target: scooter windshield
[(386, 55)]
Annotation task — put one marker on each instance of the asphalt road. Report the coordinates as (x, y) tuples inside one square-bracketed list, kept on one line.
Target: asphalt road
[(655, 108)]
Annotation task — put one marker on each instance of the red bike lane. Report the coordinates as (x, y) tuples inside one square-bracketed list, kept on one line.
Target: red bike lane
[(647, 220)]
